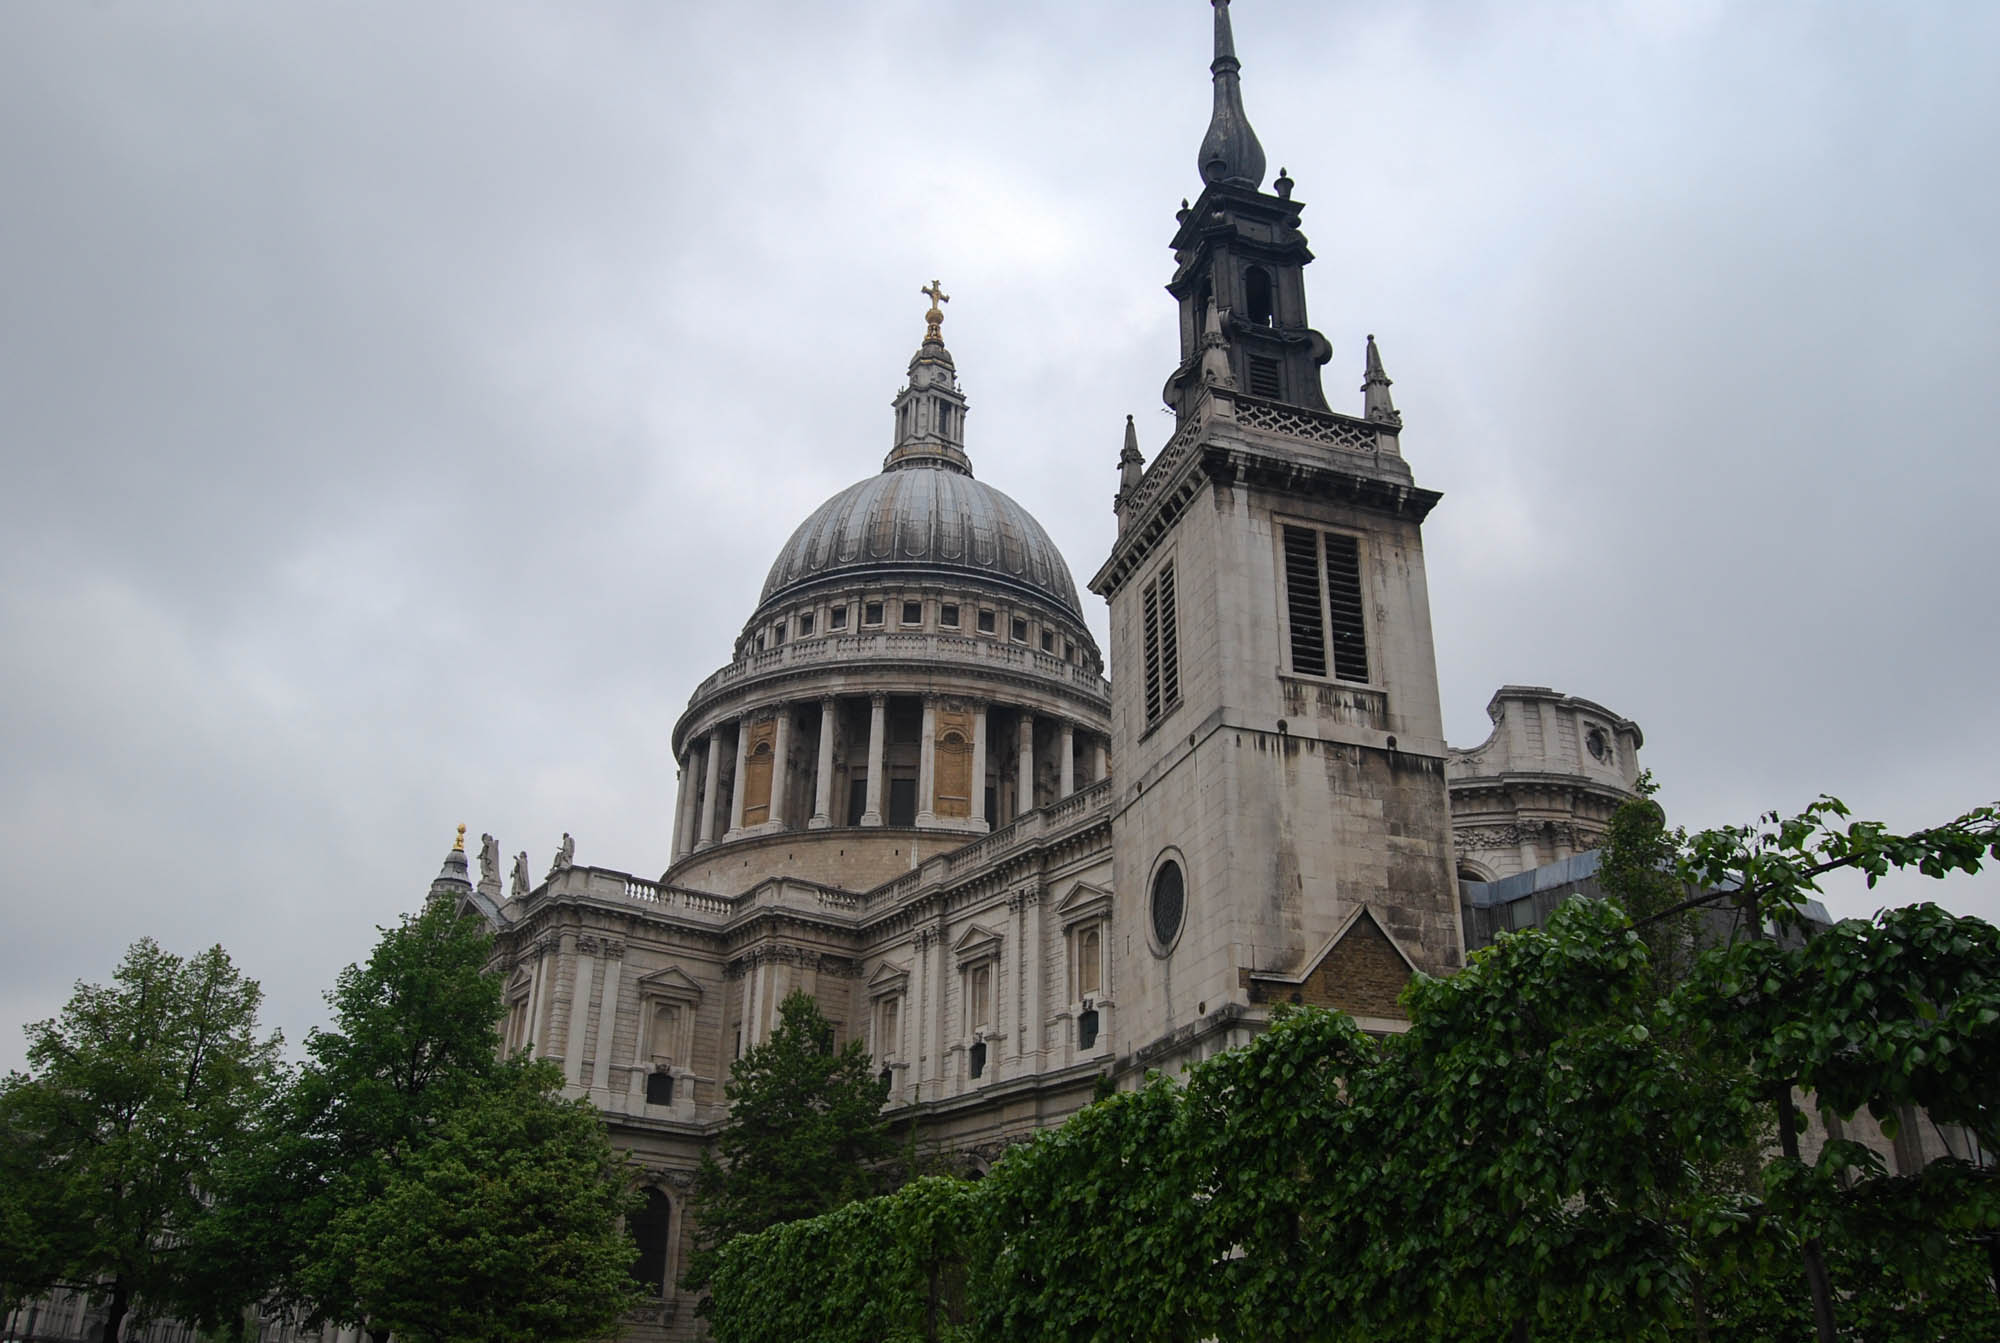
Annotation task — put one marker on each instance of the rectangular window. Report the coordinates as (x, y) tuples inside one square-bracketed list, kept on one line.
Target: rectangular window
[(1161, 634), (986, 625), (1048, 641), (948, 615), (837, 618), (871, 614), (979, 997), (659, 1088), (902, 802), (805, 623), (1303, 601), (857, 797), (1264, 378), (1328, 629), (1343, 604), (913, 613), (886, 1037), (778, 634), (1020, 630)]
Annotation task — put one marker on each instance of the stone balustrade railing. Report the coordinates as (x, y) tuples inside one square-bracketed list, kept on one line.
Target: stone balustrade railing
[(931, 649)]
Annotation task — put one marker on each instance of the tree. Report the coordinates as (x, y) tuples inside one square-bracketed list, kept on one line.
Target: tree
[(415, 1037), (133, 1095), (503, 1228), (805, 1134)]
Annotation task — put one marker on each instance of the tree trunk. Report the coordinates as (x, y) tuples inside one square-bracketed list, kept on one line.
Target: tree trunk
[(114, 1314), (1814, 1253)]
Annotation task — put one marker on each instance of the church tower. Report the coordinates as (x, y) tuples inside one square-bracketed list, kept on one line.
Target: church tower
[(1281, 827)]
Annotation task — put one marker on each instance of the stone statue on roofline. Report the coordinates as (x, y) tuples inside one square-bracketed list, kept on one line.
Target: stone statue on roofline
[(565, 855), (522, 882), (489, 861)]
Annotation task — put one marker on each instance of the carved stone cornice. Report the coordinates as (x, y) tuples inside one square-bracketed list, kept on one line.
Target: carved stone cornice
[(608, 947), (1512, 836), (826, 963)]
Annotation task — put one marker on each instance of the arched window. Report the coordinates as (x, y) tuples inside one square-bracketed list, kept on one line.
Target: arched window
[(650, 1227), (1259, 297)]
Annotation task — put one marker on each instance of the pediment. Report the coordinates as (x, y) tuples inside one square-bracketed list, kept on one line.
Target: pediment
[(889, 978), (672, 983), (976, 944), (519, 984), (1084, 901), (1360, 970)]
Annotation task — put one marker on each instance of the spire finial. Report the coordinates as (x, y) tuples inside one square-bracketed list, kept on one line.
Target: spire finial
[(458, 845), (935, 332), (1229, 152), (1375, 385)]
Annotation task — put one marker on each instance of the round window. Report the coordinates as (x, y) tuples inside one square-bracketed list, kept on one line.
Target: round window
[(1599, 746), (1169, 903)]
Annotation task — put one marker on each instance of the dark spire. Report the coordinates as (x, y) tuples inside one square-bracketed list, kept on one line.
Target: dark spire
[(1229, 152)]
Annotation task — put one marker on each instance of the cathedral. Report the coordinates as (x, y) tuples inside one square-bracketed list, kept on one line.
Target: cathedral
[(913, 793)]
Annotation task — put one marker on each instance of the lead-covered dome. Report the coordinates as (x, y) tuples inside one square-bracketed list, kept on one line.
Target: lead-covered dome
[(920, 519)]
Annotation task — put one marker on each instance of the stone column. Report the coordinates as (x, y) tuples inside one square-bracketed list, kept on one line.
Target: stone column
[(781, 750), (979, 766), (736, 784), (878, 706), (706, 836), (1066, 758), (1024, 786), (579, 1013), (607, 1017), (1100, 761), (927, 765), (829, 714), (684, 824)]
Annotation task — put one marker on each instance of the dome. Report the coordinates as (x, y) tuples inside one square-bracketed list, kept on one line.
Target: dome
[(924, 519)]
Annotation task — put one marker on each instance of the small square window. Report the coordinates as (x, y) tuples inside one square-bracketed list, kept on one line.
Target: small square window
[(805, 623), (1020, 630), (659, 1088), (913, 613), (837, 618), (872, 614), (948, 615), (986, 625), (1048, 642)]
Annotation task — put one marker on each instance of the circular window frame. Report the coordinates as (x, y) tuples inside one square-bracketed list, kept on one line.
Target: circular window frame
[(1153, 942)]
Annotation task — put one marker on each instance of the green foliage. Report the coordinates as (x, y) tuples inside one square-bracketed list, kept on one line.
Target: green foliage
[(113, 1139), (805, 1134), (1570, 1143), (883, 1270), (415, 1038), (503, 1228)]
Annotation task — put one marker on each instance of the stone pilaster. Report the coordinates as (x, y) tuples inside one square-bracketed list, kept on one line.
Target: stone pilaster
[(829, 714)]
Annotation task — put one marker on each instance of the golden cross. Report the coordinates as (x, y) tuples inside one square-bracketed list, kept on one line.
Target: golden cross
[(932, 334)]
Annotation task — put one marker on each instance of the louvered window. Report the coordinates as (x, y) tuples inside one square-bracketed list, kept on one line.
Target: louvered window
[(1326, 620), (1264, 378), (1162, 644), (1343, 602), (1302, 601)]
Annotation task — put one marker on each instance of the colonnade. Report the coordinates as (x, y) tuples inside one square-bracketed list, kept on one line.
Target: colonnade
[(950, 793)]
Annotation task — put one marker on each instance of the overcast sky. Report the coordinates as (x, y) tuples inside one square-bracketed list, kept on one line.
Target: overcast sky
[(401, 403)]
